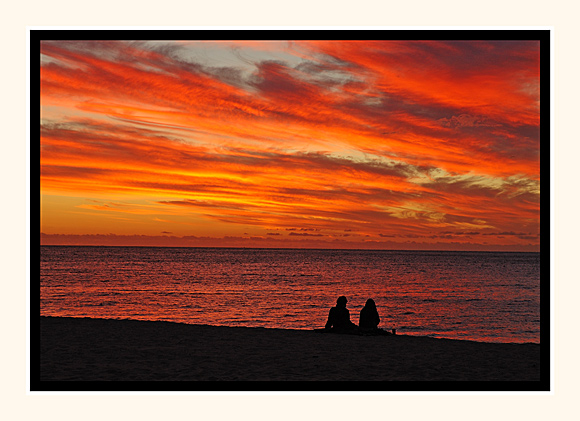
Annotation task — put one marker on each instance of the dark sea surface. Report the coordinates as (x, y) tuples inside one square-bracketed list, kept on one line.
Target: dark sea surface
[(482, 296)]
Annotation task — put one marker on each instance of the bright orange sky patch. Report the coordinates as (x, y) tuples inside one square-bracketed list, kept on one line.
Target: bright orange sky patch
[(390, 144)]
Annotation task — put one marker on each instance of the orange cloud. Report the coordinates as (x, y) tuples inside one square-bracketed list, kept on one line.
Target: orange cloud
[(381, 138)]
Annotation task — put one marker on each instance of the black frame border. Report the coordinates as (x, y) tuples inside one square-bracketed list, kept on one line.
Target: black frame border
[(544, 36)]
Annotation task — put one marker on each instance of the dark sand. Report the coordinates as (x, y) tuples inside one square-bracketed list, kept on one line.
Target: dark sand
[(83, 349)]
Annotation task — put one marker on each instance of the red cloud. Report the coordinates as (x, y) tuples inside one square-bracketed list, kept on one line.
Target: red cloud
[(417, 136)]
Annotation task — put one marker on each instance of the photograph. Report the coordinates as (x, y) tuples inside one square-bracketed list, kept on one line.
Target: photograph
[(290, 210)]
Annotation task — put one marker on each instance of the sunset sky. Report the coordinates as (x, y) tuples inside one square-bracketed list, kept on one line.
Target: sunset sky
[(335, 144)]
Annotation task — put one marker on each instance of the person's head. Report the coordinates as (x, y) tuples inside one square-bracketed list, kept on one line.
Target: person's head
[(341, 301), (370, 303)]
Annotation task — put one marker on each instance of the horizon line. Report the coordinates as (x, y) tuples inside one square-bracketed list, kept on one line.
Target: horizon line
[(289, 248)]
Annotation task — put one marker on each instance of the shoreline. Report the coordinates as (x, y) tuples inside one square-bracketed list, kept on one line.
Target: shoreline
[(87, 349), (319, 328)]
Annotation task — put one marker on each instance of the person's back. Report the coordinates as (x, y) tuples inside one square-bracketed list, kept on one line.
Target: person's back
[(339, 316), (369, 316)]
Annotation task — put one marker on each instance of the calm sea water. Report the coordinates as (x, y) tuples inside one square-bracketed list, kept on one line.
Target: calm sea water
[(493, 297)]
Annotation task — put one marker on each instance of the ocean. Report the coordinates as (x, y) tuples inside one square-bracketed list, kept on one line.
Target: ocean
[(480, 296)]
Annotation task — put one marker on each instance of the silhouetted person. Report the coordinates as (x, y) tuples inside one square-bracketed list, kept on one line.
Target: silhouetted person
[(369, 316), (339, 317)]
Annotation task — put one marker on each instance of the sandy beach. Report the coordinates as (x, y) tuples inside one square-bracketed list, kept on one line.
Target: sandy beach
[(83, 349)]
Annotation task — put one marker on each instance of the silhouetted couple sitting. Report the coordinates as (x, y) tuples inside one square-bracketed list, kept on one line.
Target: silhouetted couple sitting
[(339, 319)]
